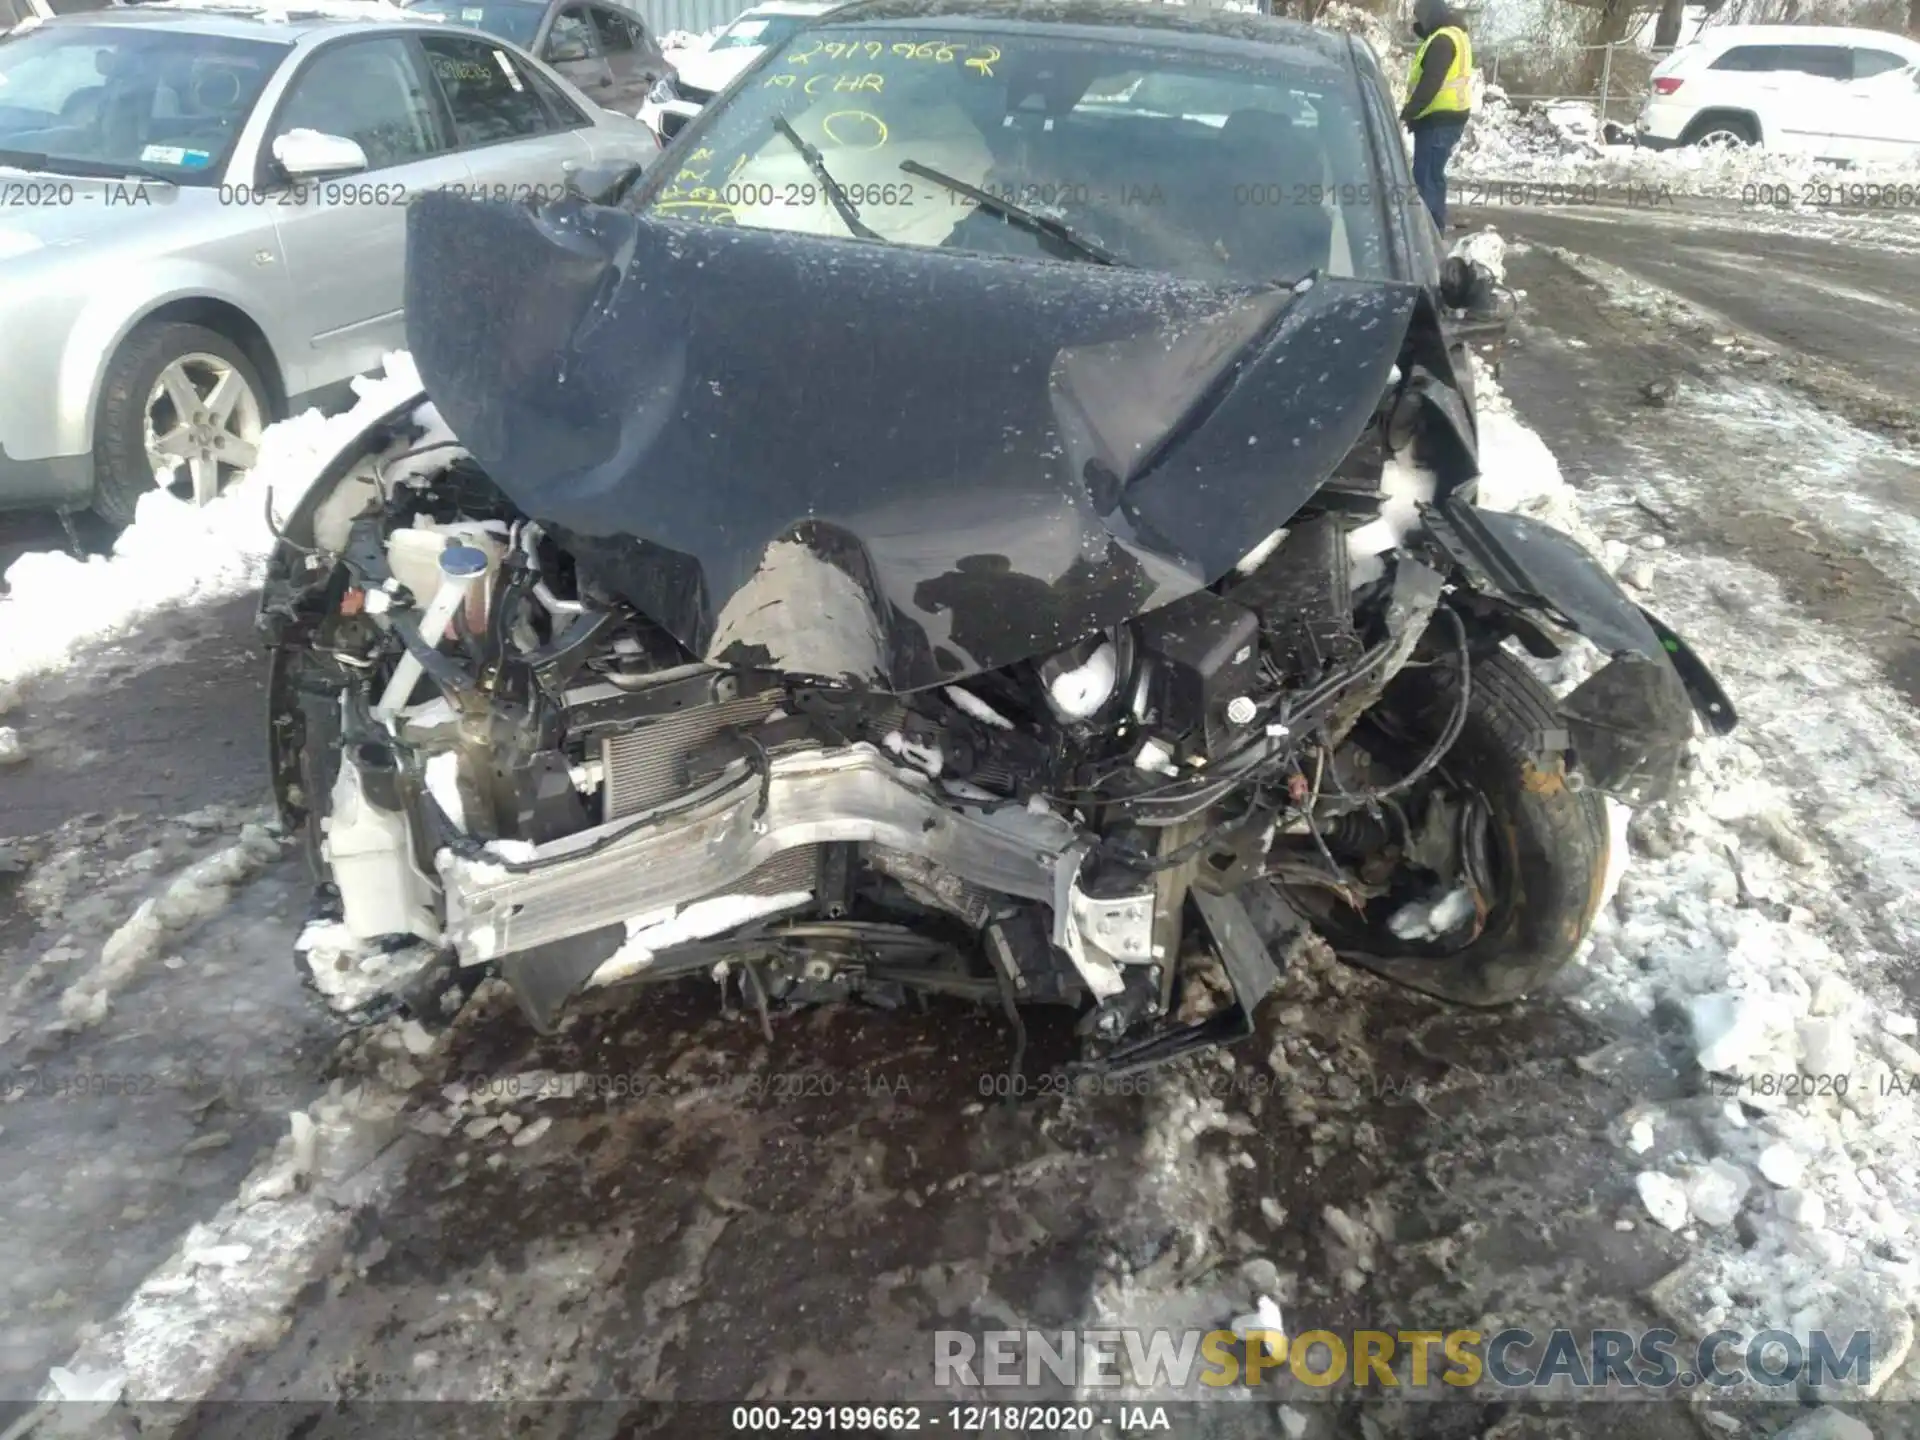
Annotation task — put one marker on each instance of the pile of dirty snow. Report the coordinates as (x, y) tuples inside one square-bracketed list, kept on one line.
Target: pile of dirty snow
[(1560, 144), (1341, 15), (174, 553), (1796, 1175)]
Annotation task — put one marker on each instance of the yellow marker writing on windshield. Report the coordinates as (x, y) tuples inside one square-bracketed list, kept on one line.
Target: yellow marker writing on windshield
[(879, 125), (984, 63)]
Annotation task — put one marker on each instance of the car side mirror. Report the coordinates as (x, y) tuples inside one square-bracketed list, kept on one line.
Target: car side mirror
[(605, 183), (563, 52), (311, 155), (1465, 284)]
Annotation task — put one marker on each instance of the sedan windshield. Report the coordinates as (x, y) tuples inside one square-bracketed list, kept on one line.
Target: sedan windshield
[(1221, 167), (134, 100), (515, 21)]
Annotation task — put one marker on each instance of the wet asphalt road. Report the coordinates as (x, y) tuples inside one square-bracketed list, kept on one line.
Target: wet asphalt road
[(705, 1235), (1848, 305)]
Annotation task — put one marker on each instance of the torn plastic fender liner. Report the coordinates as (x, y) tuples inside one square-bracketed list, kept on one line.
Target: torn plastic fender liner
[(1629, 724), (1535, 567)]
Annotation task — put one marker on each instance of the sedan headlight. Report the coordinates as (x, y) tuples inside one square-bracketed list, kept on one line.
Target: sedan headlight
[(663, 92)]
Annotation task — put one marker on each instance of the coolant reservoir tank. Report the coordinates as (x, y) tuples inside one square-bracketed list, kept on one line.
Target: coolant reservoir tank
[(413, 555), (414, 552)]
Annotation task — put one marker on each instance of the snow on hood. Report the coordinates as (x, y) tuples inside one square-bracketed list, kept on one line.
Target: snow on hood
[(676, 43), (715, 69), (176, 554)]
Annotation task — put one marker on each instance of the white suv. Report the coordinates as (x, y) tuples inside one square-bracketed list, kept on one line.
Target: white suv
[(1831, 92)]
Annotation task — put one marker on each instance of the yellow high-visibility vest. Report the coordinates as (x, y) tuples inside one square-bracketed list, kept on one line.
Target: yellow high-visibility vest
[(1456, 91)]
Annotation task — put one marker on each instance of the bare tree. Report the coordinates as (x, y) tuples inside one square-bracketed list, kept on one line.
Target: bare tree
[(1666, 30)]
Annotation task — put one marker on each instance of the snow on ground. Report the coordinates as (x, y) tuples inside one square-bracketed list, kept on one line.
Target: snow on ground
[(230, 1285), (174, 553), (1766, 908), (677, 42), (1559, 144), (1773, 904), (1340, 15)]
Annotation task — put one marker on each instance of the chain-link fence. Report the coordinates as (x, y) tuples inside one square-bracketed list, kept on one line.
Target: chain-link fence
[(1617, 93)]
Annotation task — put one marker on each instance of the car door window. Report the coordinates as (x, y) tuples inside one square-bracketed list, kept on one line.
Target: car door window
[(1830, 61), (1875, 62), (487, 94), (566, 115), (571, 39), (614, 34), (1742, 57), (371, 92)]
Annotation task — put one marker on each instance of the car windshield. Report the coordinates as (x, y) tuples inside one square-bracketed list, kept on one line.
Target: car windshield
[(106, 99), (751, 29), (514, 21), (1241, 167)]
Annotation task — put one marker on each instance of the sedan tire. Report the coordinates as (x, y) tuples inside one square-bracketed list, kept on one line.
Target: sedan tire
[(182, 409)]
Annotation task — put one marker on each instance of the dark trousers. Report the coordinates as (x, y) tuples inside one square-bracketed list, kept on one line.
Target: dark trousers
[(1433, 142)]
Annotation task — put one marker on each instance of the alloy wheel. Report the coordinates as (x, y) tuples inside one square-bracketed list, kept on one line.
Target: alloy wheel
[(203, 425)]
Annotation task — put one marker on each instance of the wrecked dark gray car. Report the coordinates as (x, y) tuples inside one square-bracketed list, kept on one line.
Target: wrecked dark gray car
[(990, 512)]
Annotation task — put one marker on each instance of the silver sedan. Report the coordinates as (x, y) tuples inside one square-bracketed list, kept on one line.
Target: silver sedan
[(203, 223)]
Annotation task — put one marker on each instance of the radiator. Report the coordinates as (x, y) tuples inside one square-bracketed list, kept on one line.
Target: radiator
[(647, 766)]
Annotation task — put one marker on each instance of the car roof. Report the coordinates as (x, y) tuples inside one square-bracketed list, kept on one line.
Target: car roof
[(285, 23), (1134, 15), (1803, 35)]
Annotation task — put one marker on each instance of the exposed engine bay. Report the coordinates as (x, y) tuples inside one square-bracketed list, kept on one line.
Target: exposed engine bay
[(511, 757), (520, 772)]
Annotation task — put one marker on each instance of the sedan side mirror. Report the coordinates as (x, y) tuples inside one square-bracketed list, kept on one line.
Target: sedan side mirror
[(311, 155), (605, 183), (1465, 284)]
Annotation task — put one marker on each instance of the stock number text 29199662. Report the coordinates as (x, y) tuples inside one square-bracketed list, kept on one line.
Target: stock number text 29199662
[(952, 1419)]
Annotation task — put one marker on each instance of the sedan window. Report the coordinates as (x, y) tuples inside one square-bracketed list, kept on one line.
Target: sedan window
[(113, 99), (370, 92), (489, 99), (566, 114)]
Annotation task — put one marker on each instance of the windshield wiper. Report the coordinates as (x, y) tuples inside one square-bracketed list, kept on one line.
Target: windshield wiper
[(1017, 215), (811, 154), (85, 169)]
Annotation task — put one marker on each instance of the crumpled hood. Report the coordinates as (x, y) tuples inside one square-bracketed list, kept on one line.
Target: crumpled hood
[(895, 465)]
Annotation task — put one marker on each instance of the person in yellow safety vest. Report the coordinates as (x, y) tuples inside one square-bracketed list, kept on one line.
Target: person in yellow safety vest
[(1439, 99)]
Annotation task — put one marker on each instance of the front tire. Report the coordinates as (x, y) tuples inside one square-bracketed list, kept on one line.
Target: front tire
[(182, 408), (1547, 841)]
